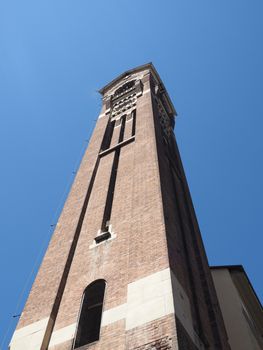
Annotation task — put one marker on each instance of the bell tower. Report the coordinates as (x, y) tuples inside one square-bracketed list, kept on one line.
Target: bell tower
[(126, 267)]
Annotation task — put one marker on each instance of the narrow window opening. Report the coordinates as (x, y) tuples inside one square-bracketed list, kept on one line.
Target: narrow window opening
[(103, 236), (133, 122), (89, 323), (108, 135), (123, 122), (109, 199), (110, 194), (113, 176)]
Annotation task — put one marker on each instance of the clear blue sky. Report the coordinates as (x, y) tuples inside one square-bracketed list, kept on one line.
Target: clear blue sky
[(55, 55)]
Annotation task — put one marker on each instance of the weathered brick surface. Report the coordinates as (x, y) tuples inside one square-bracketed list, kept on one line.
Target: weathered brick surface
[(147, 216), (159, 344), (111, 337), (44, 289), (160, 332), (140, 247)]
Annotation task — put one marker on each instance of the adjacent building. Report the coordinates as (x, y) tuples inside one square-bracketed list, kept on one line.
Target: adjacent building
[(241, 308)]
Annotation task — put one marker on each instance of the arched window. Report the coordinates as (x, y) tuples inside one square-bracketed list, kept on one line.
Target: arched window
[(124, 88), (88, 329)]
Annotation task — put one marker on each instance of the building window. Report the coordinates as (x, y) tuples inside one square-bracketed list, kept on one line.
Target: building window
[(124, 88), (107, 135), (89, 322), (133, 113)]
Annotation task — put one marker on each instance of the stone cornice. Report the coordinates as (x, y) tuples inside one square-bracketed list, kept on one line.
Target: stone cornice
[(148, 66)]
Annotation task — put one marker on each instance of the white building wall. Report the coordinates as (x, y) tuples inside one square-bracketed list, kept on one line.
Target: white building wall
[(240, 335)]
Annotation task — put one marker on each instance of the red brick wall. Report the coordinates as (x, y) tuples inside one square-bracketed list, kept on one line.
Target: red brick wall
[(145, 218)]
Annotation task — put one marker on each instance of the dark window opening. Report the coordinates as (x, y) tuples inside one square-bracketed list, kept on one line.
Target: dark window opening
[(108, 135), (123, 121), (110, 194), (124, 88), (133, 122), (111, 188), (113, 176), (89, 323), (103, 236)]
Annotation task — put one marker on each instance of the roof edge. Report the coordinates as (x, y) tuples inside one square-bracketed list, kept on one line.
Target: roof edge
[(148, 65), (123, 75), (229, 267), (239, 268)]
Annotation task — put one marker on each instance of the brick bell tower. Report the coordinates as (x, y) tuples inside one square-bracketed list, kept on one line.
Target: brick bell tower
[(126, 266)]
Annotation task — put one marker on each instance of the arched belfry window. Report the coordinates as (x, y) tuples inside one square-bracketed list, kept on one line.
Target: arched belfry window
[(88, 329), (124, 88)]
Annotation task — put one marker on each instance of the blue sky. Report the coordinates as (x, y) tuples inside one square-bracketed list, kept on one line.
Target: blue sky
[(55, 55)]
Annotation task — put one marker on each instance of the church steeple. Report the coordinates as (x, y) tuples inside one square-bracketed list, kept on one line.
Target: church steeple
[(126, 267)]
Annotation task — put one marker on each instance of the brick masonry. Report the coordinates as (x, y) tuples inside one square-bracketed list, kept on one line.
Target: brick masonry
[(153, 219)]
